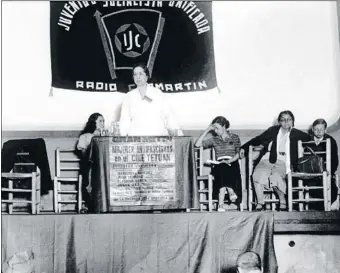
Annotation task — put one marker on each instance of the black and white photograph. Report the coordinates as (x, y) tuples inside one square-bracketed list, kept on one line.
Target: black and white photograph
[(170, 136)]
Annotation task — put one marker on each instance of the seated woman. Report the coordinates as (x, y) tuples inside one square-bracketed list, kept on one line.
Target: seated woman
[(283, 154), (92, 128), (145, 111), (319, 128), (227, 175)]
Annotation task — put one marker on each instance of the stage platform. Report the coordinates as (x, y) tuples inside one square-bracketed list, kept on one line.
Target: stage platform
[(284, 222), (307, 222), (145, 242), (172, 241)]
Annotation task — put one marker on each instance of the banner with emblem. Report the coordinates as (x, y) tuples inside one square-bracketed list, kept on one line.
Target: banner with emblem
[(94, 45)]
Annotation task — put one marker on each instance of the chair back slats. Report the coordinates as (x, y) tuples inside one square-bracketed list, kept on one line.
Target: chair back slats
[(24, 182), (67, 176), (205, 178), (57, 160), (204, 181), (302, 188), (327, 152), (67, 163)]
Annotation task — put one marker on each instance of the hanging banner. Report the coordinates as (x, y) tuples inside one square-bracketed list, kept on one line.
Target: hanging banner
[(142, 171), (94, 45)]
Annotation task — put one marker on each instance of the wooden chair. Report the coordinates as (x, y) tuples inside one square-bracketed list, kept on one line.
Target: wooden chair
[(32, 189), (270, 198), (24, 182), (67, 175), (206, 180), (303, 189), (205, 183)]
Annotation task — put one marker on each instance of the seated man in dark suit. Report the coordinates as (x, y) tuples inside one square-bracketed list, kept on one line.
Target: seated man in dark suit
[(319, 128)]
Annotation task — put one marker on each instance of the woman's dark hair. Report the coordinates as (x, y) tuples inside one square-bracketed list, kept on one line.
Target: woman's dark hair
[(144, 67), (286, 112), (221, 121), (319, 121), (90, 126)]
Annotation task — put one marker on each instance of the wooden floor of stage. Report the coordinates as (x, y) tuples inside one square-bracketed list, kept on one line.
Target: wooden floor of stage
[(307, 222), (311, 222)]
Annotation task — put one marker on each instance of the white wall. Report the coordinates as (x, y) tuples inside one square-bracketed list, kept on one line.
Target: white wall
[(312, 253), (270, 56)]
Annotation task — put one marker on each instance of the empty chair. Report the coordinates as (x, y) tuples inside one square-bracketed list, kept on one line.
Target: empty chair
[(67, 181)]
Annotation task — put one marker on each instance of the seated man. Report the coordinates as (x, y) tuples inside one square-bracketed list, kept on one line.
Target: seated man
[(249, 262), (319, 129)]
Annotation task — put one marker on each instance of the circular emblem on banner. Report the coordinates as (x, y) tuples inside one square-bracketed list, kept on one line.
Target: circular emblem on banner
[(132, 40)]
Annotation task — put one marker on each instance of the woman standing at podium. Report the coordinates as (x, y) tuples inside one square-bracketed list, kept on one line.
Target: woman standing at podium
[(145, 111)]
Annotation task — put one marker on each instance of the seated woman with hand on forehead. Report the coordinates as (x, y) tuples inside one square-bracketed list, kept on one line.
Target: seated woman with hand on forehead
[(145, 111), (282, 141), (227, 175)]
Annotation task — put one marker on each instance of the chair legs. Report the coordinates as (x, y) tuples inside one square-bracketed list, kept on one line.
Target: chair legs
[(32, 191), (304, 193), (210, 191), (55, 194), (301, 195), (325, 191), (38, 191), (273, 204), (290, 192), (250, 197), (10, 197), (79, 199), (34, 195), (75, 193)]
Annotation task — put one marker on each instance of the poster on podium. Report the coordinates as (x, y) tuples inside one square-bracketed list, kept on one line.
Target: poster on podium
[(142, 171)]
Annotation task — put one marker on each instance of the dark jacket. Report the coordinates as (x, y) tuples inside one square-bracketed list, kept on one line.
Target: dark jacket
[(322, 147), (270, 135), (37, 154)]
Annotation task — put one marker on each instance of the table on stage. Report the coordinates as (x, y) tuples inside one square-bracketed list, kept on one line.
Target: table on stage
[(142, 173)]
